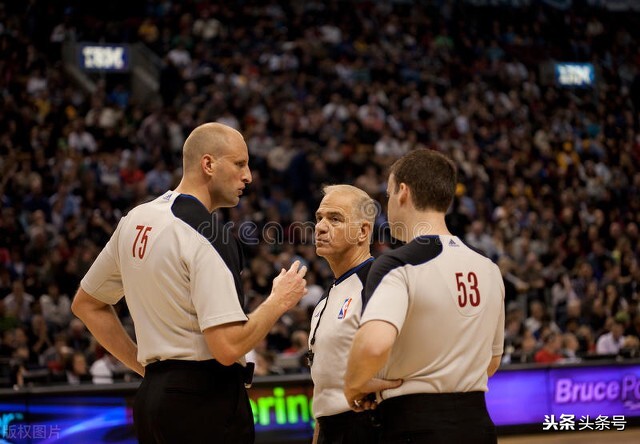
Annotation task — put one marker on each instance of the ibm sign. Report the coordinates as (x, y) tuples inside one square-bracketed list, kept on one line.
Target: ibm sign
[(111, 58), (581, 75)]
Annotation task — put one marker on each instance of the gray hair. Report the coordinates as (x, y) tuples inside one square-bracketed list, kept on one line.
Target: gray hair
[(363, 206)]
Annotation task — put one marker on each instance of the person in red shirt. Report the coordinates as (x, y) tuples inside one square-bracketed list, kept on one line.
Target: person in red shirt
[(550, 351)]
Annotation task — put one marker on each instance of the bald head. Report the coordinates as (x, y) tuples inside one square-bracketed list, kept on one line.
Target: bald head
[(209, 138)]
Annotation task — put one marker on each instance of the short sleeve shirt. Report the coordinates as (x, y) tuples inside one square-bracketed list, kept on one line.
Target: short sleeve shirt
[(447, 304), (179, 271)]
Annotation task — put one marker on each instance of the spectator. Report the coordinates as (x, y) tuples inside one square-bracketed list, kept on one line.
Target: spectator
[(610, 343), (548, 171), (104, 369), (570, 348), (56, 307), (551, 349), (18, 302), (477, 238), (76, 369)]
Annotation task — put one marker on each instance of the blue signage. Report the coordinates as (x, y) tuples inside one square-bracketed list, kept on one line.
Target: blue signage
[(107, 58), (576, 75)]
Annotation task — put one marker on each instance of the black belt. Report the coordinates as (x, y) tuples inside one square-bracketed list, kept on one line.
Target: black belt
[(210, 366), (341, 420), (426, 410)]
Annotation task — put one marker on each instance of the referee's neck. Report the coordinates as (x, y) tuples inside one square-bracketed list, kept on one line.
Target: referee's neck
[(340, 265), (426, 223)]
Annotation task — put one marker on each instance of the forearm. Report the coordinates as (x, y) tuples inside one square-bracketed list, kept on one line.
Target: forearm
[(364, 363), (493, 365), (104, 325), (229, 342), (370, 351)]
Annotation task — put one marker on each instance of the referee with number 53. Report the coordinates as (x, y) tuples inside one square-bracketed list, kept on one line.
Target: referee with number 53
[(180, 273), (434, 317)]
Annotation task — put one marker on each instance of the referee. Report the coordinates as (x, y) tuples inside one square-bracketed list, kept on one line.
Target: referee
[(435, 317), (344, 223), (180, 273)]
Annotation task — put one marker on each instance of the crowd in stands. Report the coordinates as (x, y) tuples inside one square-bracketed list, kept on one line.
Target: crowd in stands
[(326, 92)]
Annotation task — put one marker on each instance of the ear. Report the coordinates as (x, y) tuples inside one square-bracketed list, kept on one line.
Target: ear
[(365, 231), (404, 193), (207, 163)]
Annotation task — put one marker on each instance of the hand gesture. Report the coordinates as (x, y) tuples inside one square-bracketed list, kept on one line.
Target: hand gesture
[(289, 286)]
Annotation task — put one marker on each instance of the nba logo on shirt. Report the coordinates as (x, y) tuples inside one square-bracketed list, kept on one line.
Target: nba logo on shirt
[(344, 308)]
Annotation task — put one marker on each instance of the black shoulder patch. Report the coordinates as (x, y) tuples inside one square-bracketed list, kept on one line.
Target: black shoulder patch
[(477, 250), (362, 274), (418, 251), (193, 213)]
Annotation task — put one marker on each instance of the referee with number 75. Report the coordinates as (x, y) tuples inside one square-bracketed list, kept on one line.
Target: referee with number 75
[(179, 270), (434, 317)]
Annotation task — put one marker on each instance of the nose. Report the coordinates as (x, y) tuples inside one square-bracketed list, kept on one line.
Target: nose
[(246, 177), (321, 227)]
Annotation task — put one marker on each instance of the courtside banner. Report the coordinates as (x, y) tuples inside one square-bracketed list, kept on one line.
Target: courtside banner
[(579, 393), (602, 396)]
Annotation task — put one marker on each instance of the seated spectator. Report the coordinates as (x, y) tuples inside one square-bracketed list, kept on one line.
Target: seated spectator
[(104, 369), (8, 343), (525, 353), (8, 321), (55, 357), (78, 336), (585, 338), (551, 349), (630, 348), (76, 369), (478, 238), (18, 302), (570, 348), (536, 317), (610, 343), (56, 307), (38, 334)]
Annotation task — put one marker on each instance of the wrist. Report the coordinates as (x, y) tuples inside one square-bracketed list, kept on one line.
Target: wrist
[(275, 303)]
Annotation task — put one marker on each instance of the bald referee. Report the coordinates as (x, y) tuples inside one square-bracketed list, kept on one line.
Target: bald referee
[(434, 317), (180, 273)]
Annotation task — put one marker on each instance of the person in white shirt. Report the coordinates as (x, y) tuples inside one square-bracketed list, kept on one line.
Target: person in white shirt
[(180, 272), (610, 343), (434, 317), (344, 224), (56, 307), (18, 302)]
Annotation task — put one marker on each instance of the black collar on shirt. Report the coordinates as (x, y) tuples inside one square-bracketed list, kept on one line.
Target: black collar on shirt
[(351, 271), (342, 278)]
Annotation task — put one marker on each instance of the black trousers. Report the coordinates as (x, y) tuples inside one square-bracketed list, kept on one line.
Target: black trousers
[(193, 402), (349, 428), (437, 419)]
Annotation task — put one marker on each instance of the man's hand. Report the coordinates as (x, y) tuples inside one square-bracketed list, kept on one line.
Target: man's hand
[(289, 286), (359, 399)]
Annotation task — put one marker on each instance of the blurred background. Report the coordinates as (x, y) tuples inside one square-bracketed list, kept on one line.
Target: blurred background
[(536, 101)]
